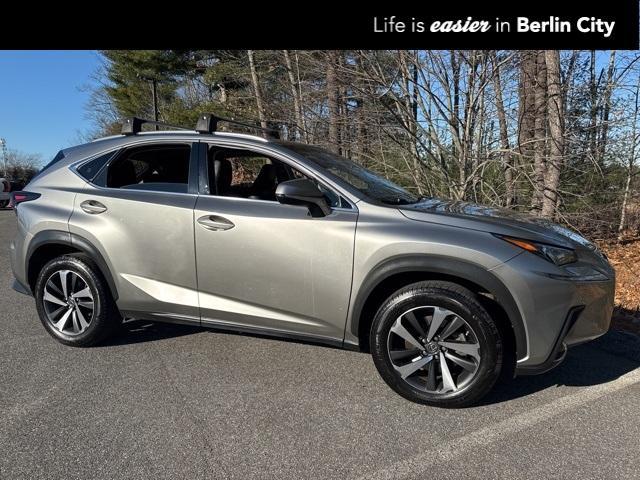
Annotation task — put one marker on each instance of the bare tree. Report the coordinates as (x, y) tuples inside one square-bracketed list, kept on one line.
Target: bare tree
[(507, 157), (255, 81), (606, 108), (295, 95), (527, 113), (556, 133), (540, 130), (333, 97), (631, 161)]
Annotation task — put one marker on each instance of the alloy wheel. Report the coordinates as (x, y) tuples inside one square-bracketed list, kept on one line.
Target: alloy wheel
[(68, 302), (434, 349)]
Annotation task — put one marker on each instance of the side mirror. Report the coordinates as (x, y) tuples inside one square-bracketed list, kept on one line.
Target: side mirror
[(303, 192)]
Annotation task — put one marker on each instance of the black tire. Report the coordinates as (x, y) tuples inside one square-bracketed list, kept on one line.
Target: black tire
[(462, 303), (4, 203), (105, 317)]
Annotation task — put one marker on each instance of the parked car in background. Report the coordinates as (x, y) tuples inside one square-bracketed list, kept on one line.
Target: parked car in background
[(5, 188), (259, 235)]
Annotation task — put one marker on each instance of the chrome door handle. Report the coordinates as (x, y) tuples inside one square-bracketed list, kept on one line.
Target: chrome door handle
[(93, 207), (215, 223)]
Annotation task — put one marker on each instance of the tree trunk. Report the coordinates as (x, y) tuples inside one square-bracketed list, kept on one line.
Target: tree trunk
[(568, 78), (297, 104), (593, 114), (556, 134), (455, 69), (526, 115), (333, 97), (409, 73), (507, 158), (257, 90), (606, 108), (360, 114), (630, 164), (540, 124)]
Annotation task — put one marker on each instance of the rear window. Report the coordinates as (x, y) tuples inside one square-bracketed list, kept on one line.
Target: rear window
[(157, 167)]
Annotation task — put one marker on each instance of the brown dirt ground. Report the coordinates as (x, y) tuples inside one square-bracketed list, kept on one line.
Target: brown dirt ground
[(625, 259)]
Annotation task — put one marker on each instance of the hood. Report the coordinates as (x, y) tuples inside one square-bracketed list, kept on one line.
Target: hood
[(494, 220)]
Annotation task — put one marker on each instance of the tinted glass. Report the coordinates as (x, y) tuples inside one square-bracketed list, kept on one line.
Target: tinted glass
[(88, 170), (158, 167), (367, 182)]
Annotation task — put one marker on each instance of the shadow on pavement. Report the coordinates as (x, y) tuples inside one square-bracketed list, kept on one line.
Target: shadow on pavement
[(140, 331), (600, 361)]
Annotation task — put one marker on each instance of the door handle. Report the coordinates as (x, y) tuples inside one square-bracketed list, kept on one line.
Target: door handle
[(93, 207), (215, 223)]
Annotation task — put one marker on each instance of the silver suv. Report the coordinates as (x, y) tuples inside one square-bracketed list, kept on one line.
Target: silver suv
[(276, 238)]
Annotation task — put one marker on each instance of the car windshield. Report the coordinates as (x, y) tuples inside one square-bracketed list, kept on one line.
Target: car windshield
[(363, 180)]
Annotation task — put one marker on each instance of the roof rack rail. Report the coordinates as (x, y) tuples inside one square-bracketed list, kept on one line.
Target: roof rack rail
[(208, 123), (133, 125)]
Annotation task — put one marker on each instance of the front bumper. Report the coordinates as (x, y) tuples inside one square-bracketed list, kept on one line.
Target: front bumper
[(557, 313), (559, 351), (20, 288)]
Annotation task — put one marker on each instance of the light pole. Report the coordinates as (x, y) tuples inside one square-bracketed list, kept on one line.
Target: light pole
[(3, 142)]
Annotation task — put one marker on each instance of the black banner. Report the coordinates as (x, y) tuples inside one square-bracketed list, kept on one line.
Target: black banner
[(557, 25)]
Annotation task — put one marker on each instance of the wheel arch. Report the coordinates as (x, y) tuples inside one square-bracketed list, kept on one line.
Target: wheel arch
[(397, 272), (49, 244)]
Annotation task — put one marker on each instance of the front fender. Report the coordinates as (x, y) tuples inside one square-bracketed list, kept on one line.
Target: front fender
[(439, 265)]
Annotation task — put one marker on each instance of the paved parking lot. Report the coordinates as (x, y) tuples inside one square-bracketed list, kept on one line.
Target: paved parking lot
[(168, 401)]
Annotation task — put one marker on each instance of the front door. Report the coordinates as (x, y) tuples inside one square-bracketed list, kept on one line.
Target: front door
[(261, 264)]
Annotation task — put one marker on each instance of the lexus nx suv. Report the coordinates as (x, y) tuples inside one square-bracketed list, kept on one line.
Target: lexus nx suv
[(258, 235)]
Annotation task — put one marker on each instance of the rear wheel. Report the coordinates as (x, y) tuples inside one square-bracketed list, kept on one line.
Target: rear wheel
[(74, 303), (4, 203), (434, 343)]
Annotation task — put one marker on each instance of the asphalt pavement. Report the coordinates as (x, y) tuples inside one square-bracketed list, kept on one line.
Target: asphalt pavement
[(165, 401)]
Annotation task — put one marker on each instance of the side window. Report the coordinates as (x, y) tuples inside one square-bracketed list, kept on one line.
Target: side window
[(162, 168), (246, 174), (89, 170)]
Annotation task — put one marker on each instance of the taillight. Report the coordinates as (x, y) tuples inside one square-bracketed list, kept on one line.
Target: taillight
[(20, 197)]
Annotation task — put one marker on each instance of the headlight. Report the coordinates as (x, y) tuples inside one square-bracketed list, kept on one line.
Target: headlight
[(552, 253)]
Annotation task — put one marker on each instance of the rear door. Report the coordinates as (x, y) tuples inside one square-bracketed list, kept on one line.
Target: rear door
[(138, 212), (267, 266)]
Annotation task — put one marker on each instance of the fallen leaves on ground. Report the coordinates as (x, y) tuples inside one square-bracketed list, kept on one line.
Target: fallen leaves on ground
[(625, 258)]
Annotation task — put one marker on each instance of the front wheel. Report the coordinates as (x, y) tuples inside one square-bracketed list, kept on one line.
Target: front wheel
[(433, 343), (74, 302)]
